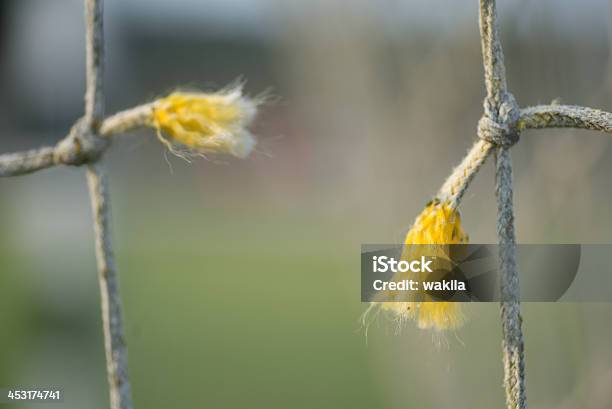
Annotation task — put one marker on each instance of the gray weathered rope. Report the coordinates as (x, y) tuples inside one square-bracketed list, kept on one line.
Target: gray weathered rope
[(22, 163), (493, 57), (94, 61), (66, 152), (500, 126), (565, 116), (127, 120), (498, 130), (456, 184), (512, 340), (114, 337)]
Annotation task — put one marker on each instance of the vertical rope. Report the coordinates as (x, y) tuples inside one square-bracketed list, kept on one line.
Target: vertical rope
[(492, 54), (94, 61), (500, 109), (114, 338), (512, 342)]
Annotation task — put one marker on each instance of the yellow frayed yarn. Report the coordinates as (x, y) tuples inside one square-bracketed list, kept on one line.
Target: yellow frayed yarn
[(205, 122), (438, 224)]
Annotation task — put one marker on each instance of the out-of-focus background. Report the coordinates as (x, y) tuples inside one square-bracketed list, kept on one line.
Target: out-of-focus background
[(240, 279)]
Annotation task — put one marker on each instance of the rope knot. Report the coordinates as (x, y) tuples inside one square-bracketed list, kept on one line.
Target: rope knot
[(82, 145), (500, 126)]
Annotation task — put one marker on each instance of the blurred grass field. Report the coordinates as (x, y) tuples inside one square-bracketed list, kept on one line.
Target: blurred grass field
[(251, 306)]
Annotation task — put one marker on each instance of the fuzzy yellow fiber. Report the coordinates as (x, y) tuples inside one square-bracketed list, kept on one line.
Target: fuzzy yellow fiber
[(205, 123), (438, 224)]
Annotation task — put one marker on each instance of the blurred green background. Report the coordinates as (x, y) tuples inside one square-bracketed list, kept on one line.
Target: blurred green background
[(240, 279)]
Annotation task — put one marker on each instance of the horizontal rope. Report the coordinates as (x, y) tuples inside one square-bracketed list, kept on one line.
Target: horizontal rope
[(565, 116), (66, 152), (22, 163), (125, 121)]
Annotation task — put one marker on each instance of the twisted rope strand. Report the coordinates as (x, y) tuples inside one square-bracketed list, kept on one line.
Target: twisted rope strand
[(457, 183), (536, 117), (22, 163), (114, 338), (565, 116), (490, 133), (493, 57), (501, 108), (512, 340), (128, 120), (94, 61)]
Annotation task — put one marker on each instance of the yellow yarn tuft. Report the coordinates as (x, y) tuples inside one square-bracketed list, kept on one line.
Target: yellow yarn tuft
[(437, 224), (206, 123)]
